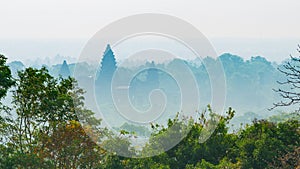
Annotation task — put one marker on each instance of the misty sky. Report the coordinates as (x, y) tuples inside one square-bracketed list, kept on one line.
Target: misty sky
[(258, 27)]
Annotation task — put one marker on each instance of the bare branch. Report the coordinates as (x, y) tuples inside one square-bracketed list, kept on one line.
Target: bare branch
[(291, 70)]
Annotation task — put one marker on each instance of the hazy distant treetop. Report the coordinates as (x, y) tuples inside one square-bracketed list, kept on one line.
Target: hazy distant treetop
[(230, 57), (16, 63)]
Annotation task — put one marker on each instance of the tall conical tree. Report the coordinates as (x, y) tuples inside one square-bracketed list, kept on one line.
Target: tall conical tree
[(64, 70)]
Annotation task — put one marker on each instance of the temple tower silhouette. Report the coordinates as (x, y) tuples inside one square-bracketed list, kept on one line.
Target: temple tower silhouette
[(104, 74), (64, 70)]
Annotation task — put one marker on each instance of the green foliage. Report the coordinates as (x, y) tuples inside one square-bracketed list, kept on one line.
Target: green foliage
[(262, 144), (6, 80), (288, 160), (259, 144), (46, 132), (41, 102)]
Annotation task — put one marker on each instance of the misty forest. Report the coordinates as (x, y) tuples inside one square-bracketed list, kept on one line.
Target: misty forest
[(48, 118)]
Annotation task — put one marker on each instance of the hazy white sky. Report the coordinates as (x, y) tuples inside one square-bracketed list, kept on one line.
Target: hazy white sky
[(215, 18), (72, 19)]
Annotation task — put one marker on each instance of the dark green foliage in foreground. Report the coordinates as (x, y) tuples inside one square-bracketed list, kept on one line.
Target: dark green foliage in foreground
[(47, 134), (262, 144), (6, 80)]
